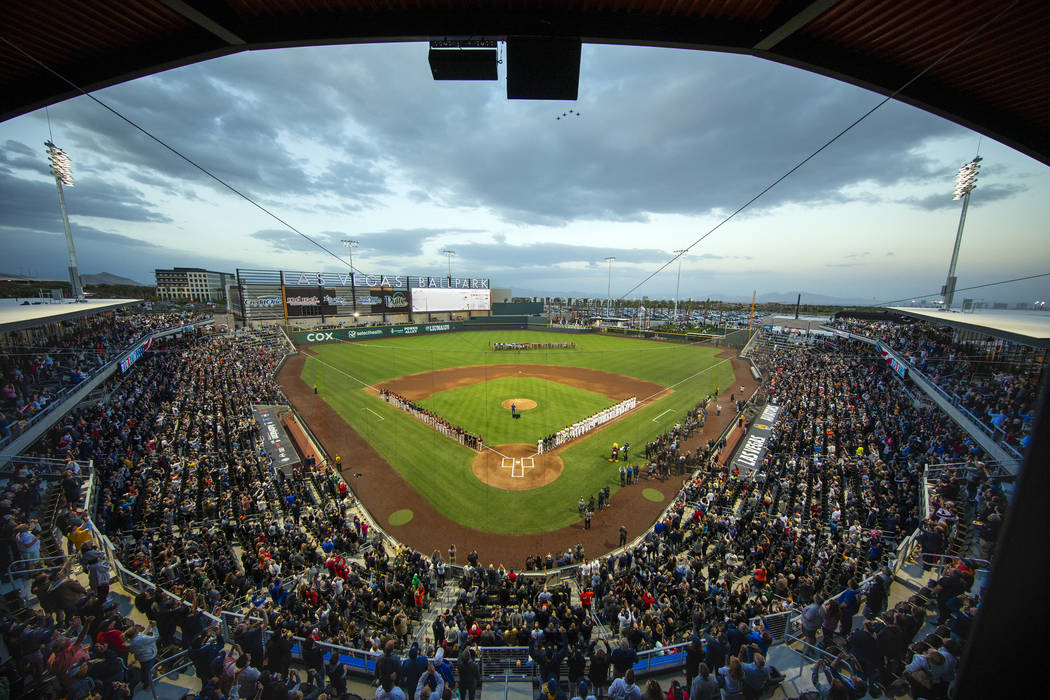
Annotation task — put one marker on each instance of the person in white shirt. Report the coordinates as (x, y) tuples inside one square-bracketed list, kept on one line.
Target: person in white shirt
[(144, 646)]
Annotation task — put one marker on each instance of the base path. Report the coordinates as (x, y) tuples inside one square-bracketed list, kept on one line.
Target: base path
[(616, 386), (384, 492)]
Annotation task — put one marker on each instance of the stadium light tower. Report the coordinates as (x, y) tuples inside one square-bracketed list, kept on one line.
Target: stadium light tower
[(965, 181), (450, 254), (350, 245), (680, 254), (62, 169), (608, 291)]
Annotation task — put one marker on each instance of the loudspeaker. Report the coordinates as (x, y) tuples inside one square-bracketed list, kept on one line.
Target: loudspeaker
[(463, 64), (540, 68)]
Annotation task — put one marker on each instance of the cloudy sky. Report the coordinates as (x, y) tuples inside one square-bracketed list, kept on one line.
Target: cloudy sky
[(359, 142)]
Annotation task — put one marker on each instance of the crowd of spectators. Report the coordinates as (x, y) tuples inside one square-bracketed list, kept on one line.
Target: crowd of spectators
[(37, 365), (192, 505), (982, 376)]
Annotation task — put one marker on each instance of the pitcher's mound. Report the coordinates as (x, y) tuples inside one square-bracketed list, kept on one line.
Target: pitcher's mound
[(519, 404), (516, 467)]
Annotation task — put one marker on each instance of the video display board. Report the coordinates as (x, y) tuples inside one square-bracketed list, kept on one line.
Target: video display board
[(431, 300)]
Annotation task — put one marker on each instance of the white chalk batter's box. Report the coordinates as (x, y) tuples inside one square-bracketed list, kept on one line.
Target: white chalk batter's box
[(518, 465)]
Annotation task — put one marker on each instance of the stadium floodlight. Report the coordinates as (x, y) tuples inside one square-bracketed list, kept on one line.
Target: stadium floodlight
[(966, 178), (680, 254), (350, 245), (965, 181), (62, 169), (608, 292), (450, 254)]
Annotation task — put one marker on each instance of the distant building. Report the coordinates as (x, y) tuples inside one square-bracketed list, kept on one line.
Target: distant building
[(192, 284)]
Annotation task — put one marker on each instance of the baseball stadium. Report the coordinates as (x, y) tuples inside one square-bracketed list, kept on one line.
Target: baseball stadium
[(480, 459)]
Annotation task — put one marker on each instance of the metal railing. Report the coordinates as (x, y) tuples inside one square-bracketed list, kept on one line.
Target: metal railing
[(170, 666), (942, 561), (820, 653), (30, 567)]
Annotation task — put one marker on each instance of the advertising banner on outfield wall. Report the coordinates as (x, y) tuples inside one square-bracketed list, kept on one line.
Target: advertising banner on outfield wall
[(749, 457), (367, 333)]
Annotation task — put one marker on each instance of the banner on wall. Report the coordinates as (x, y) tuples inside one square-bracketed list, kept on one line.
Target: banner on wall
[(899, 368), (367, 333), (749, 457)]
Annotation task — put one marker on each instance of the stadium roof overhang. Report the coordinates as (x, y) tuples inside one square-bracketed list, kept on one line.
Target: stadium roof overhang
[(1025, 327), (16, 318), (997, 84)]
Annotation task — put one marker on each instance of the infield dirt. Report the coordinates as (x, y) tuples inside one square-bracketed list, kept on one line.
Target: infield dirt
[(616, 386)]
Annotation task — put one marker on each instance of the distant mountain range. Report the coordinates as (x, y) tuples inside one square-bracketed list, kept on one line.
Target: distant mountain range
[(100, 278), (107, 278)]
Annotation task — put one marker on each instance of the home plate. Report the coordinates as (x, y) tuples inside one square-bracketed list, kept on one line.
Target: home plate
[(518, 465)]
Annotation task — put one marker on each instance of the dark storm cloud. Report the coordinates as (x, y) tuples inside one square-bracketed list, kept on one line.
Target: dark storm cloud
[(710, 133), (983, 194), (16, 155), (33, 204), (235, 122), (662, 131)]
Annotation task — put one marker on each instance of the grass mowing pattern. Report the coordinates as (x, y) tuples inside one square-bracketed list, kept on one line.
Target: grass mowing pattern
[(440, 468), (477, 408)]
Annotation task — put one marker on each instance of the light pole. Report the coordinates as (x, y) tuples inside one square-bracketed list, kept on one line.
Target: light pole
[(965, 181), (350, 245), (62, 169), (608, 292), (680, 254), (450, 254)]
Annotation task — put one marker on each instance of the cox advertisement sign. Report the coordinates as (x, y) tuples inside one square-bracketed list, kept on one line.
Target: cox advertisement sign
[(330, 336)]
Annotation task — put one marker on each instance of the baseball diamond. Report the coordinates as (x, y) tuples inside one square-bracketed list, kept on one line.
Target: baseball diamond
[(399, 463)]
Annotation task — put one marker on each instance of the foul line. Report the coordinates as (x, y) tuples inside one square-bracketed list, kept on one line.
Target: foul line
[(708, 369), (487, 447), (375, 414), (662, 415), (345, 374)]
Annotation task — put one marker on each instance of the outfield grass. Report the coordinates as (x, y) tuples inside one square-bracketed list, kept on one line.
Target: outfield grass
[(373, 361), (440, 469), (478, 410)]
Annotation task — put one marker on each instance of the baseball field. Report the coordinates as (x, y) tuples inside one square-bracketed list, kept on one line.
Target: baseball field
[(506, 488)]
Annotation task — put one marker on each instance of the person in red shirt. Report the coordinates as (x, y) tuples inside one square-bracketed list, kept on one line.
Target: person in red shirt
[(113, 638)]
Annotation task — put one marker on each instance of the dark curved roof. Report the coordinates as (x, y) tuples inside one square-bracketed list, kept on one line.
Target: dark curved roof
[(997, 84)]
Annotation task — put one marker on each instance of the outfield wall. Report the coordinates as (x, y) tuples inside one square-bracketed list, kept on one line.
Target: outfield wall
[(369, 332), (735, 339)]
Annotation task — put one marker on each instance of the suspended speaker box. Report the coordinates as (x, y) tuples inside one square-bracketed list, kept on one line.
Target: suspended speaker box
[(543, 68), (460, 63)]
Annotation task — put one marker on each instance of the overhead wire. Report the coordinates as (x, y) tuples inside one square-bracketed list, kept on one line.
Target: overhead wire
[(170, 148), (972, 35), (964, 289)]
